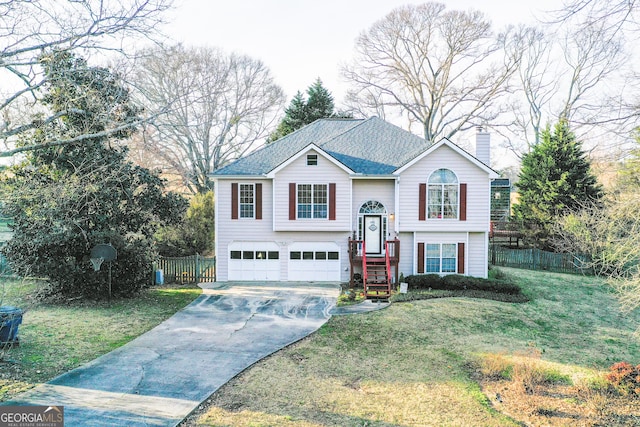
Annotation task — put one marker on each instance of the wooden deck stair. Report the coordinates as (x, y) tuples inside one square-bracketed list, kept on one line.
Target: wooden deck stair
[(376, 270), (377, 283)]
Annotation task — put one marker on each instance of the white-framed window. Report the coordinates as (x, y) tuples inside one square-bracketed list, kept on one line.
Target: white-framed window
[(441, 257), (247, 201), (442, 197), (313, 201)]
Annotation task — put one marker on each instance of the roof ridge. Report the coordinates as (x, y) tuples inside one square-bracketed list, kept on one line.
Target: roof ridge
[(361, 122)]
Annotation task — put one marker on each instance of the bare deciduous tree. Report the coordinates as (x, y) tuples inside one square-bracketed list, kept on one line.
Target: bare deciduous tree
[(579, 66), (442, 69), (616, 14), (562, 76), (213, 108), (29, 28), (610, 236)]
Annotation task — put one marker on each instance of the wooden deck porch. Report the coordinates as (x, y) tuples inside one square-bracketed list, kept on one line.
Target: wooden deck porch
[(377, 270)]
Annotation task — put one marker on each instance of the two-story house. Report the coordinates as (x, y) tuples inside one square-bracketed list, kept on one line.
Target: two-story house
[(311, 205)]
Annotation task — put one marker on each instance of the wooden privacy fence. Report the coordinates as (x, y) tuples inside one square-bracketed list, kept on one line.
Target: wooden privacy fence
[(189, 269), (536, 259)]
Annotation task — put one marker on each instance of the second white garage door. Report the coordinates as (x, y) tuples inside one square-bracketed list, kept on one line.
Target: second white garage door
[(314, 262)]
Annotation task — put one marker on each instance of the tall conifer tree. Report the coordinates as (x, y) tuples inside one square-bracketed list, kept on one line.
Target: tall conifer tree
[(318, 105), (555, 179)]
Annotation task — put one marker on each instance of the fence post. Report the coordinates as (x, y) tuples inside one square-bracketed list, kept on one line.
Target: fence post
[(493, 254), (197, 268), (154, 267), (533, 258)]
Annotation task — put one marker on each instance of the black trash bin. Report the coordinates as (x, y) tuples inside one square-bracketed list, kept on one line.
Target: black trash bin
[(10, 319)]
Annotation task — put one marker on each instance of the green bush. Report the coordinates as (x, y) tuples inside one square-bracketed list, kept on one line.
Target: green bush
[(424, 281), (457, 282)]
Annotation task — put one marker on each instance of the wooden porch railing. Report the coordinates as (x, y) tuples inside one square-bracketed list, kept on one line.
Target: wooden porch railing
[(364, 269), (387, 259), (357, 257)]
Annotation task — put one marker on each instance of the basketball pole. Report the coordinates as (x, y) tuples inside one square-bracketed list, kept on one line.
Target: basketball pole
[(109, 280)]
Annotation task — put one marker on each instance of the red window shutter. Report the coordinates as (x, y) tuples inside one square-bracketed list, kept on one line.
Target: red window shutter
[(292, 201), (422, 202), (420, 257), (332, 202), (258, 198), (234, 200), (463, 202), (460, 258)]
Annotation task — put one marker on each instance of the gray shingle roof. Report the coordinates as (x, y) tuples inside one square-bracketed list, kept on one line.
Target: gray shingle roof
[(371, 147)]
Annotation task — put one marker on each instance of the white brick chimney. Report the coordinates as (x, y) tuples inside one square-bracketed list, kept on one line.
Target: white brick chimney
[(483, 145)]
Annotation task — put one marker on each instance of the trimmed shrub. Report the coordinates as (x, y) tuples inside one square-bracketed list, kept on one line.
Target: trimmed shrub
[(424, 281), (457, 282)]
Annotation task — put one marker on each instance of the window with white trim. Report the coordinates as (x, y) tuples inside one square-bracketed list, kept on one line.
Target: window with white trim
[(442, 197), (313, 201), (247, 201), (441, 257)]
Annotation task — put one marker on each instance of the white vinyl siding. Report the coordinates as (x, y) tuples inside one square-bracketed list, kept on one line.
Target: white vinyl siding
[(478, 256), (478, 193), (299, 173)]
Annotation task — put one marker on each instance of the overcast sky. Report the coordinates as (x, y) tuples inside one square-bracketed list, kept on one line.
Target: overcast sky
[(300, 40)]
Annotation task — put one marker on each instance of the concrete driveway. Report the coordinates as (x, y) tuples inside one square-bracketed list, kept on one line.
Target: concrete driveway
[(161, 376)]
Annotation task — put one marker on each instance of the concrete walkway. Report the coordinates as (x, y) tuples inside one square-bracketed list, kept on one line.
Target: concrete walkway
[(163, 375)]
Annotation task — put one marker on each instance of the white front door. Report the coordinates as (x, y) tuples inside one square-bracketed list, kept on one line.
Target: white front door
[(373, 233)]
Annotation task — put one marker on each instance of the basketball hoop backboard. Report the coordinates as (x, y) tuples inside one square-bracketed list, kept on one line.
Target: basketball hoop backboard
[(104, 251)]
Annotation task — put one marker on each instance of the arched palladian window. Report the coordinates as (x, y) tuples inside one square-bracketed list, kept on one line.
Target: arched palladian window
[(442, 199), (372, 207)]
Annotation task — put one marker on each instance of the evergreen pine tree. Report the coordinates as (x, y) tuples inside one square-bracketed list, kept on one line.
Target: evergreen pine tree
[(319, 102), (296, 114), (300, 112), (555, 180)]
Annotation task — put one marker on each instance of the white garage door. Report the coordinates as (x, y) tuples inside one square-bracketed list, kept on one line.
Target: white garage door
[(314, 261), (254, 261)]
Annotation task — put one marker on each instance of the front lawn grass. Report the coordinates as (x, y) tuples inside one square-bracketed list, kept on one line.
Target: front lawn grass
[(55, 338), (419, 363)]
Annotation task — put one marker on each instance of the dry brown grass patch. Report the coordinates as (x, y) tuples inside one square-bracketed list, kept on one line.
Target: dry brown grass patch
[(536, 393)]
